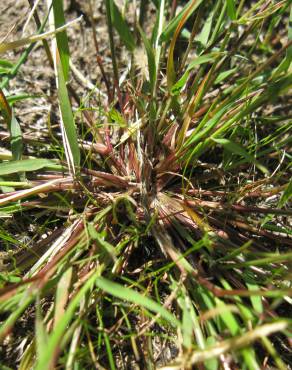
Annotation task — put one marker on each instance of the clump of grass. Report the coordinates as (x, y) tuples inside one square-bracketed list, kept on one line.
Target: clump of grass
[(156, 222)]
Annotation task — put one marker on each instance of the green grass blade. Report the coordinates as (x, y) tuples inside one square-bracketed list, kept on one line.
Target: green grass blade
[(45, 361), (130, 295), (61, 37), (67, 118), (284, 66), (176, 88), (151, 59), (231, 11), (286, 196), (256, 300), (62, 295), (40, 331), (223, 75), (24, 301), (228, 318), (6, 64), (16, 138), (235, 148), (204, 35), (212, 363), (13, 127), (26, 165), (249, 357), (20, 97), (185, 14), (122, 27), (173, 24)]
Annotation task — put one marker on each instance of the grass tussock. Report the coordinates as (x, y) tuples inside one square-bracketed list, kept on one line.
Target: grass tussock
[(149, 225)]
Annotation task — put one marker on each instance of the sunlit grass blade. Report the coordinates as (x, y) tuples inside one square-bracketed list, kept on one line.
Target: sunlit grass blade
[(119, 291), (61, 37), (47, 359), (177, 87), (177, 25), (70, 139), (287, 194), (186, 12), (235, 148), (16, 138), (231, 11), (122, 27), (41, 334), (237, 342), (27, 165), (13, 127), (151, 60), (286, 63), (4, 47), (62, 295)]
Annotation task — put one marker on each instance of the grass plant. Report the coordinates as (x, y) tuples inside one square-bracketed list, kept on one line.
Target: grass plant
[(152, 227)]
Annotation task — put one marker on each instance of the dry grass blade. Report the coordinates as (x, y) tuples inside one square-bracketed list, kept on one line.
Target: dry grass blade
[(4, 47)]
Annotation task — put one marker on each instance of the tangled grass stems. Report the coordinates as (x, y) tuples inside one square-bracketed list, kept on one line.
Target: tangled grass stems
[(154, 228)]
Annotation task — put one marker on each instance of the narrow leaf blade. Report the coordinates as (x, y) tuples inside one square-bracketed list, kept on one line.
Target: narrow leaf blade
[(26, 165), (62, 39), (123, 293), (235, 148), (122, 27), (67, 115)]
